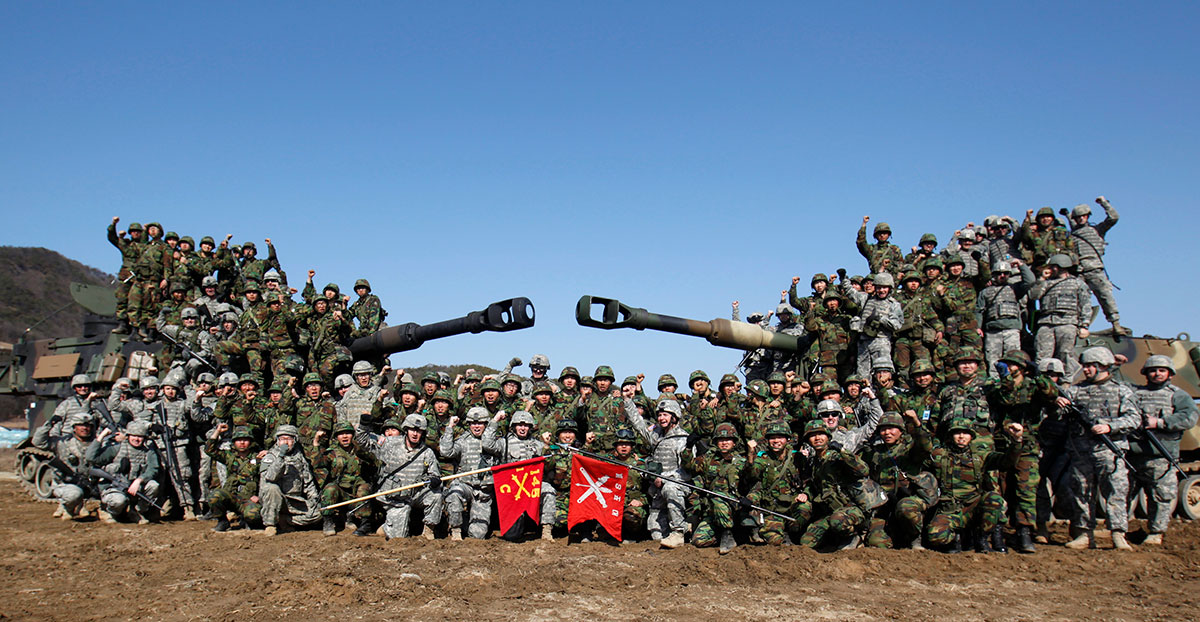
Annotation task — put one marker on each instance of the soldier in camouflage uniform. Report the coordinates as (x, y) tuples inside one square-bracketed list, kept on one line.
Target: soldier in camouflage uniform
[(719, 470), (1041, 240), (668, 441), (406, 459), (778, 486), (700, 415), (362, 395), (151, 270), (925, 250), (808, 304), (312, 414), (883, 256), (966, 399), (958, 293), (999, 244), (368, 310), (1090, 245), (633, 519), (81, 402), (195, 337), (129, 457), (130, 250), (239, 492), (1167, 412), (896, 461), (922, 327), (834, 472), (521, 444), (275, 329), (245, 407), (329, 332), (286, 484), (603, 413), (182, 417), (881, 316), (1111, 409), (998, 310), (556, 476), (760, 413), (922, 395), (961, 467), (340, 471), (1063, 314), (543, 408), (829, 326), (471, 495), (1021, 397), (71, 447)]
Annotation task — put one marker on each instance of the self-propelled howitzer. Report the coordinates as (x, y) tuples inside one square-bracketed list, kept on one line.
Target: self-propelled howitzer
[(719, 332)]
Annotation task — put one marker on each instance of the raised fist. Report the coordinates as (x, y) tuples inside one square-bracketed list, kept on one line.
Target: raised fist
[(866, 219), (795, 281), (117, 219)]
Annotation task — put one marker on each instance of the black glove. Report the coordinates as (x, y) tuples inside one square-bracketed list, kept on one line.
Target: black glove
[(977, 255), (841, 273), (692, 439), (745, 502), (435, 483), (368, 421)]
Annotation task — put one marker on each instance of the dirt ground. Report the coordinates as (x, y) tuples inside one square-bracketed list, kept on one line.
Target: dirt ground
[(87, 570)]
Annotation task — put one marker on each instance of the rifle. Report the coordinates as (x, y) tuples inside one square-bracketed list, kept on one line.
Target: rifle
[(174, 473), (68, 474), (1162, 451), (1084, 421), (123, 483), (105, 414), (188, 351)]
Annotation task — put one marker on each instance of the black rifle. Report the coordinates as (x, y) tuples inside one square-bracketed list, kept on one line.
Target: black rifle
[(174, 473), (68, 474), (1162, 451), (123, 483), (1084, 420), (106, 415), (188, 351)]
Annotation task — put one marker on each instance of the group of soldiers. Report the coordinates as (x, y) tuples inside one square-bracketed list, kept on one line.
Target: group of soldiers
[(918, 420)]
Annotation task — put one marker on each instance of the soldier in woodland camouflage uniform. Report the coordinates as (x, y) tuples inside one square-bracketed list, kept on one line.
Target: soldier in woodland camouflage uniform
[(807, 305), (129, 458), (1063, 313), (883, 256), (1167, 412), (1090, 245), (829, 324), (1041, 240), (699, 415), (834, 472), (633, 519), (329, 332), (341, 469), (959, 293), (603, 413), (246, 408), (405, 459), (778, 486), (238, 493), (151, 269), (368, 310), (922, 326), (896, 461), (967, 400), (470, 495), (1112, 410), (130, 249), (312, 414), (286, 484), (719, 470)]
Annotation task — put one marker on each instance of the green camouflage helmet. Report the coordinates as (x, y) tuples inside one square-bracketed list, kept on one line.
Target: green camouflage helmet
[(241, 431), (187, 239), (933, 263), (777, 378), (829, 386), (855, 379), (208, 239), (171, 235), (759, 388), (567, 425), (278, 385), (510, 378), (968, 354), (882, 227), (891, 419), (443, 395), (472, 376), (587, 381), (429, 376), (728, 379), (489, 385), (344, 427), (394, 423), (249, 245), (362, 283), (629, 380), (542, 387), (928, 237), (337, 291), (1045, 211), (311, 378), (1018, 358), (960, 424), (666, 380), (954, 258), (625, 435), (568, 372), (178, 286), (249, 378), (252, 286), (725, 430), (604, 371), (816, 426), (920, 367), (698, 375), (777, 429), (411, 387), (136, 226), (818, 277), (833, 294), (155, 224), (911, 275)]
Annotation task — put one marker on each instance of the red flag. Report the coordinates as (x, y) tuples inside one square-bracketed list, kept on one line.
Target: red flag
[(597, 492), (518, 491)]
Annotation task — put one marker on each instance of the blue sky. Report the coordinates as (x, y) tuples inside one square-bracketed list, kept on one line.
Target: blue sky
[(676, 156)]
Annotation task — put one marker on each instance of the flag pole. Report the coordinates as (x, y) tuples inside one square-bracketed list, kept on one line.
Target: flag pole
[(719, 495), (408, 487)]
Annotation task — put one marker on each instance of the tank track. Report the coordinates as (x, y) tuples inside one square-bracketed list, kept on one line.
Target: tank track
[(26, 476)]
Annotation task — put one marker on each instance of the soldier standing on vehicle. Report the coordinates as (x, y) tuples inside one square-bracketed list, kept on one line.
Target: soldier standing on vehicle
[(1090, 245), (1063, 314)]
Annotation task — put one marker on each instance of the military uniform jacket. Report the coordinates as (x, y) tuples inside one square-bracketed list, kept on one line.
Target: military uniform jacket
[(880, 317), (74, 405), (291, 472), (892, 465), (968, 400), (183, 416), (466, 453), (236, 410), (340, 466), (1063, 301), (921, 320), (153, 263), (69, 449), (716, 471), (415, 464), (998, 307), (1090, 242), (1109, 402), (834, 472), (1024, 404), (125, 460), (666, 447), (310, 416), (961, 472), (776, 479), (130, 250), (697, 418), (241, 472), (831, 331), (368, 310), (1177, 411), (356, 402), (510, 448), (881, 256)]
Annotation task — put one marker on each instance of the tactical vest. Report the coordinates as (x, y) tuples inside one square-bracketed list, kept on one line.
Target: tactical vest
[(1000, 303), (1090, 247)]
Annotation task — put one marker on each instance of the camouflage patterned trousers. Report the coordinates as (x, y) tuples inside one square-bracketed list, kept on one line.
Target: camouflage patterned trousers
[(398, 512), (903, 519), (909, 350), (222, 501), (1156, 477), (715, 516), (474, 501), (998, 343), (1095, 470), (142, 304), (115, 500), (227, 353), (666, 513), (1058, 342), (774, 528), (843, 521), (869, 349), (1098, 282), (951, 517), (634, 517), (123, 287), (332, 493)]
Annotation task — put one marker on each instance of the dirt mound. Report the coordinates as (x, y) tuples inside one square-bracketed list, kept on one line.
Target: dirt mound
[(182, 571)]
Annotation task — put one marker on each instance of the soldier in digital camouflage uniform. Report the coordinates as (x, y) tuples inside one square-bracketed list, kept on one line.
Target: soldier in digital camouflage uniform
[(471, 495), (362, 394), (668, 441), (878, 320), (1021, 397), (719, 470), (521, 444), (998, 310), (341, 471), (238, 493), (961, 467), (883, 256), (71, 446), (132, 459), (1111, 409), (183, 417), (1167, 412), (287, 485), (1063, 313), (1090, 245), (405, 459)]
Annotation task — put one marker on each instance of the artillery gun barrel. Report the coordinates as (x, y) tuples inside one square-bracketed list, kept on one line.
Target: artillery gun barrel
[(719, 332), (500, 317)]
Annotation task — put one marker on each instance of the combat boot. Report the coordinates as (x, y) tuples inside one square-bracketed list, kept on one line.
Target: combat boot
[(329, 526), (1119, 330), (61, 512), (1085, 540), (189, 513), (363, 529), (427, 533), (1119, 542), (728, 542), (998, 543), (269, 530), (756, 537), (455, 535), (955, 545), (916, 544), (1154, 538), (547, 534), (674, 540), (980, 538), (1024, 541), (105, 517), (1043, 534), (138, 517), (222, 524)]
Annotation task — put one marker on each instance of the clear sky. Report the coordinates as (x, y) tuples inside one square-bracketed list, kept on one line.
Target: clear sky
[(674, 155)]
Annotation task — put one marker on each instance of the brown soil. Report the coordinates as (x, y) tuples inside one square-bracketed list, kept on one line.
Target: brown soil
[(182, 571)]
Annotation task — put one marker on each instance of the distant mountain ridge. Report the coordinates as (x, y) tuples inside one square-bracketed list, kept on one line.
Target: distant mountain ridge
[(35, 285)]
